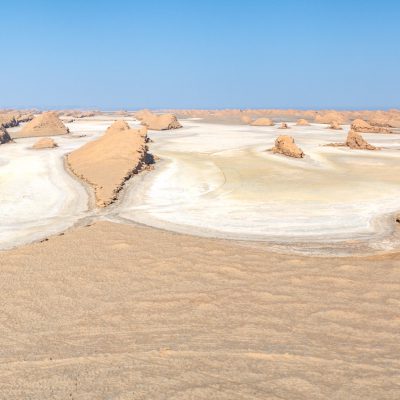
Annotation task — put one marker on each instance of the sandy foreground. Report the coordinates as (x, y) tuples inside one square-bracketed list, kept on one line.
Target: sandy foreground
[(124, 311), (112, 311)]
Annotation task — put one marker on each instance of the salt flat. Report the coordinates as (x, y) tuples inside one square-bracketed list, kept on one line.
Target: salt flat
[(219, 180)]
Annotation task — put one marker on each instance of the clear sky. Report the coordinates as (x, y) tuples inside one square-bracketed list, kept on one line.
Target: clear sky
[(200, 54)]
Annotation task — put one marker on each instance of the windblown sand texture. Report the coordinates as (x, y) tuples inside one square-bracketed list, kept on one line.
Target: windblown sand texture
[(109, 161), (112, 311)]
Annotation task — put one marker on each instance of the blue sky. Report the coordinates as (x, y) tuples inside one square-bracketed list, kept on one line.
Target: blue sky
[(200, 54)]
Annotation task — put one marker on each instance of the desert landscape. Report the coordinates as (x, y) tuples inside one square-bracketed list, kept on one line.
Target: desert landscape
[(200, 200), (200, 256)]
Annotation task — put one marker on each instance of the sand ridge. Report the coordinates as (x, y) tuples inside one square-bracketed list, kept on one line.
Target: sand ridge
[(109, 161)]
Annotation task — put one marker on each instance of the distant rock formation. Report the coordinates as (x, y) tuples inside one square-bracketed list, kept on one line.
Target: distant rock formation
[(302, 122), (285, 145), (356, 141), (119, 125), (284, 125), (335, 125), (4, 136), (359, 125), (109, 161), (329, 117), (263, 122), (46, 124), (45, 143), (158, 122)]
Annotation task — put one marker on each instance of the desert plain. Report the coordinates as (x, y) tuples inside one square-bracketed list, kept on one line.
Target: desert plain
[(193, 257)]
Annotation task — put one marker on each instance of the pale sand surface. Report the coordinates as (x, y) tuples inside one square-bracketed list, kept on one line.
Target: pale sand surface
[(120, 312)]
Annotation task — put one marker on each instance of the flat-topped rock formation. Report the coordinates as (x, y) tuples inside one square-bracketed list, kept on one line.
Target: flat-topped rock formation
[(45, 143), (356, 141), (4, 136), (109, 161), (302, 122), (263, 122), (46, 124), (285, 145), (335, 125), (284, 125), (158, 122), (360, 125)]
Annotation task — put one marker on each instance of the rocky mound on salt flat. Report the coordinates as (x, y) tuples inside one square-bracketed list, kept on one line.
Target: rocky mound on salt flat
[(359, 125), (46, 124), (285, 145), (158, 122), (284, 125), (334, 125), (356, 141), (109, 161), (45, 143), (263, 122), (4, 136), (302, 122)]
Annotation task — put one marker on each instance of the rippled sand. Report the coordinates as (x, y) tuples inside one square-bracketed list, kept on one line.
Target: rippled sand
[(119, 312)]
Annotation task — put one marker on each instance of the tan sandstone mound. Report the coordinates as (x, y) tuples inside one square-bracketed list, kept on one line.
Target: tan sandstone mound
[(302, 122), (4, 136), (359, 125), (109, 161), (285, 145), (119, 125), (334, 125), (46, 124), (356, 141), (263, 122), (158, 122), (45, 143), (284, 125), (329, 117)]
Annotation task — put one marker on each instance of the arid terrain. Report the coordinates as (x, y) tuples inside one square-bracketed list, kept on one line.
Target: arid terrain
[(225, 270)]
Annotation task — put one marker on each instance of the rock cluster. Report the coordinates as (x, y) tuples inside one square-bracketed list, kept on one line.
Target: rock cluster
[(284, 125)]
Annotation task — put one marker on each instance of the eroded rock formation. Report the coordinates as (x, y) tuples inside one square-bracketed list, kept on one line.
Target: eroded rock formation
[(263, 122), (46, 124), (285, 145), (158, 122), (109, 161), (45, 143), (359, 125), (356, 141)]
